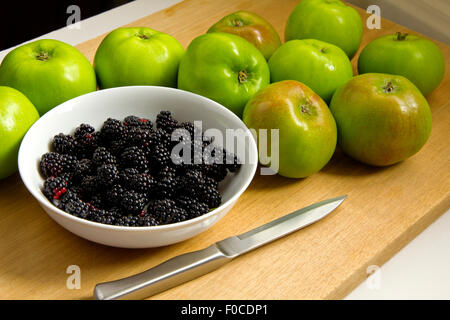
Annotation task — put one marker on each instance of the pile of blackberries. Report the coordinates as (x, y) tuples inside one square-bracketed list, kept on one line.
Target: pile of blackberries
[(124, 174)]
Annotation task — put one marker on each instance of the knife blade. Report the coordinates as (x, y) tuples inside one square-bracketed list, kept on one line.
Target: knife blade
[(189, 266)]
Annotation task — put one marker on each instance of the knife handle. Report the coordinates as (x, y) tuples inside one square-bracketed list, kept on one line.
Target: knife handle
[(164, 276)]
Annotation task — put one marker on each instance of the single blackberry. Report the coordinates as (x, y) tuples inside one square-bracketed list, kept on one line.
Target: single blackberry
[(134, 157), (133, 121), (167, 171), (103, 216), (216, 171), (193, 207), (197, 209), (127, 221), (209, 195), (192, 129), (97, 200), (78, 208), (143, 183), (65, 198), (116, 147), (55, 187), (166, 187), (160, 156), (179, 215), (107, 174), (165, 121), (82, 130), (103, 156), (139, 137), (112, 130), (64, 144), (55, 164), (83, 168), (133, 202), (127, 175), (160, 137), (89, 185), (147, 221), (86, 143), (115, 194), (161, 210)]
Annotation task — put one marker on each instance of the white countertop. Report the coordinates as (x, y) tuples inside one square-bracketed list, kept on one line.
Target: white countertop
[(421, 270)]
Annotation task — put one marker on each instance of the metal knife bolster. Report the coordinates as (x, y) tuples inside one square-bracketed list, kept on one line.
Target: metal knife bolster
[(166, 275)]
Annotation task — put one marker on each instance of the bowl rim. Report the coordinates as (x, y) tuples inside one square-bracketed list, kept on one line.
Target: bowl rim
[(39, 196)]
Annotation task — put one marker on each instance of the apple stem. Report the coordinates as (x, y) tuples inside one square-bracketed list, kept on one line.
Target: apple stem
[(305, 109), (389, 87), (237, 23), (43, 56), (243, 76), (401, 36)]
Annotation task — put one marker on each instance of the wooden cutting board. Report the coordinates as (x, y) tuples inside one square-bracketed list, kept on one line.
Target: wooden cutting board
[(385, 209)]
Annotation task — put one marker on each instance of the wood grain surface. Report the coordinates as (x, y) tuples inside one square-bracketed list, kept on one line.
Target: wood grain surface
[(385, 209)]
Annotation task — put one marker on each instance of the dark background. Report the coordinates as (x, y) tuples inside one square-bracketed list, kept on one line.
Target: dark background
[(24, 20)]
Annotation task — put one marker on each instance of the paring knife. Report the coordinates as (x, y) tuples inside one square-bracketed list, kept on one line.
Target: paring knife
[(192, 265)]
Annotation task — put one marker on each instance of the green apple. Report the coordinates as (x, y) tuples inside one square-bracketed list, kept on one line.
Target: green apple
[(48, 72), (411, 56), (307, 130), (137, 56), (321, 66), (327, 20), (225, 68), (382, 119), (252, 28), (17, 114)]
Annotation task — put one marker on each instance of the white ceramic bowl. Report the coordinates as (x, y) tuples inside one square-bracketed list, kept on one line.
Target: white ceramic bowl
[(145, 101)]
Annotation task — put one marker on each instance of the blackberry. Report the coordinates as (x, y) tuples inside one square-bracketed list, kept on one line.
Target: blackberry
[(96, 201), (143, 183), (209, 195), (197, 209), (86, 143), (64, 144), (160, 137), (192, 129), (103, 216), (166, 187), (82, 130), (127, 175), (133, 121), (51, 164), (127, 221), (193, 207), (112, 130), (139, 137), (116, 147), (78, 208), (165, 121), (89, 185), (107, 174), (133, 202), (103, 156), (167, 171), (82, 168), (160, 156), (162, 210), (178, 215), (147, 221), (134, 157), (216, 171), (115, 194), (55, 187)]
